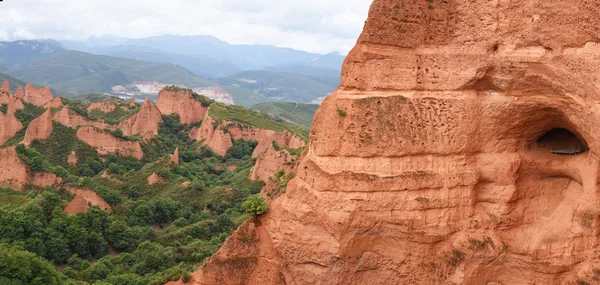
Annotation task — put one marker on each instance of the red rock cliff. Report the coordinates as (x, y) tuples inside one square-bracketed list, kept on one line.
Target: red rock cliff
[(182, 103), (15, 174), (5, 86), (40, 128), (145, 122), (431, 163), (105, 143), (37, 97)]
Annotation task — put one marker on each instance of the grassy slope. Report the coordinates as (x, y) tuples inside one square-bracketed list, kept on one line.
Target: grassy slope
[(282, 86), (243, 116), (298, 114), (80, 72)]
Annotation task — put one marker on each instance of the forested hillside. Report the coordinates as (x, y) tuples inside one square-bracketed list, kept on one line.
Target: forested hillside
[(112, 219)]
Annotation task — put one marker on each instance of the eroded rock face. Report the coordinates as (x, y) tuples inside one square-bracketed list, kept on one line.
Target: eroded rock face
[(84, 199), (105, 143), (5, 86), (219, 137), (70, 118), (56, 102), (40, 128), (174, 158), (154, 178), (15, 174), (37, 97), (182, 103), (145, 122), (424, 167), (19, 93), (104, 106), (9, 124), (270, 162)]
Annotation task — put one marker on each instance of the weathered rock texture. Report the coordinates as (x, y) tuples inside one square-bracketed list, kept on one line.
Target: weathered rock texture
[(434, 175), (19, 93), (182, 103), (9, 124), (15, 174), (270, 162), (106, 143), (40, 128), (145, 122), (5, 86), (37, 97), (70, 118), (104, 106), (174, 158), (154, 178), (83, 200), (219, 137), (56, 102)]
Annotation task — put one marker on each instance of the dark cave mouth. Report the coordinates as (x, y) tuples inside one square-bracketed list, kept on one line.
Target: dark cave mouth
[(560, 141)]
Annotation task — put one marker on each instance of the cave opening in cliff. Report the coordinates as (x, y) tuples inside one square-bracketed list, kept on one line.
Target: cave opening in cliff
[(561, 141)]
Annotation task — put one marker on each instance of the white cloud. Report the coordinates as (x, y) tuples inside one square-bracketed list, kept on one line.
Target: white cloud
[(313, 25)]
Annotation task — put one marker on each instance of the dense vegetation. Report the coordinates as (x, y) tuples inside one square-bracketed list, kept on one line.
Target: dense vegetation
[(153, 234)]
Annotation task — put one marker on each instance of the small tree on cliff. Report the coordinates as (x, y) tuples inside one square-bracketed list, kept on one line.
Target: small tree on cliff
[(255, 205)]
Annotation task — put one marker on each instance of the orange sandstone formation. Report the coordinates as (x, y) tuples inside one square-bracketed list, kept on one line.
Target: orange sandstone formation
[(19, 93), (219, 141), (145, 122), (70, 118), (104, 106), (37, 97), (72, 159), (83, 200), (40, 128), (5, 86), (56, 102), (432, 163), (154, 178), (105, 143), (9, 124), (15, 174), (182, 103), (174, 158), (270, 162)]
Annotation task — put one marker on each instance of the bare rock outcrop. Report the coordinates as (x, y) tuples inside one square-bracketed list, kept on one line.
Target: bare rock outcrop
[(9, 124), (433, 162), (182, 103), (174, 158), (104, 106), (219, 137), (83, 200), (40, 128), (106, 143), (72, 159), (145, 122), (38, 97), (19, 93), (5, 86), (72, 119), (55, 103), (270, 162), (154, 178), (15, 174)]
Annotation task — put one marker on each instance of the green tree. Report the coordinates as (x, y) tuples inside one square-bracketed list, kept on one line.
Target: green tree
[(255, 205), (21, 267)]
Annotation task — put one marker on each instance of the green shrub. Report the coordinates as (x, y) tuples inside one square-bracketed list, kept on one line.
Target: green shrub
[(255, 205)]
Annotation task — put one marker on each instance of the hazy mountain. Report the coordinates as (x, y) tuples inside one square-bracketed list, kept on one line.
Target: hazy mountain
[(282, 86), (245, 57)]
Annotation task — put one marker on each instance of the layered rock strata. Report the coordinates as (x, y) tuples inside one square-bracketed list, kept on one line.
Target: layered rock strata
[(181, 103), (106, 143), (219, 137), (427, 166), (144, 122), (40, 128)]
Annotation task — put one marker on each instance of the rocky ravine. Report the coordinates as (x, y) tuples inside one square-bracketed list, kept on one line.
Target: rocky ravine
[(430, 164)]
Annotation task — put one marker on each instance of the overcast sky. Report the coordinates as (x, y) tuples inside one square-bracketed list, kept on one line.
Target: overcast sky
[(321, 26)]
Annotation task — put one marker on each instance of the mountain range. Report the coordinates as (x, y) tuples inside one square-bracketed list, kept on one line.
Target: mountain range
[(240, 74)]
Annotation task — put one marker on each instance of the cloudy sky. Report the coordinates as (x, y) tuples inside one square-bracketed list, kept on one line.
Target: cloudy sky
[(314, 25)]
